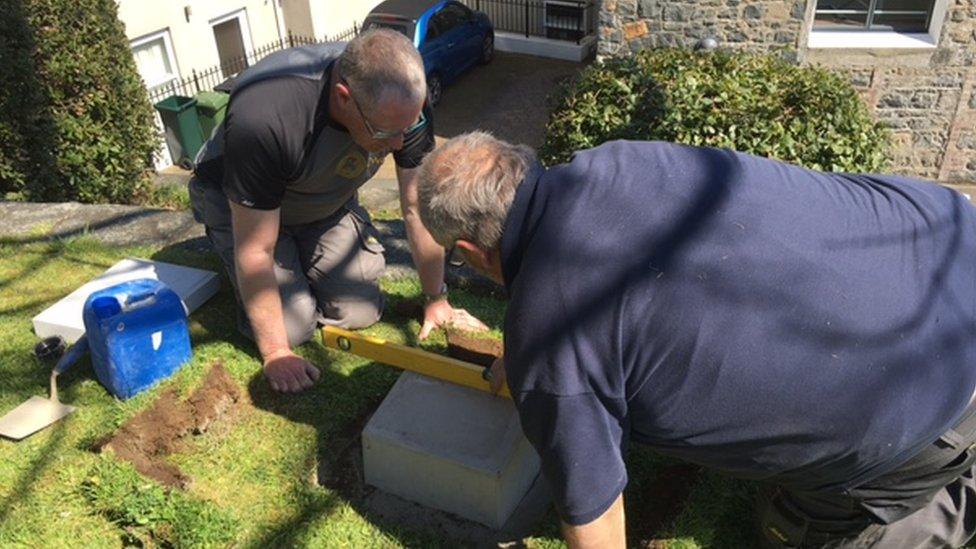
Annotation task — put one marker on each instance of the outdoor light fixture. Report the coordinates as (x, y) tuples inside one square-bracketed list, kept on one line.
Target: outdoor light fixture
[(707, 44)]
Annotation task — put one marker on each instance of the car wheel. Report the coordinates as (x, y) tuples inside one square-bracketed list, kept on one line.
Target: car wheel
[(186, 164), (487, 49), (434, 89)]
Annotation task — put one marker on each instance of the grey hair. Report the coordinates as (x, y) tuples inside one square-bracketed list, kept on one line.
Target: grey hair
[(382, 63), (467, 185)]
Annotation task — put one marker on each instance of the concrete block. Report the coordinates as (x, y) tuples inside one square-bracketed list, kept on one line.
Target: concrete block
[(194, 286), (451, 448)]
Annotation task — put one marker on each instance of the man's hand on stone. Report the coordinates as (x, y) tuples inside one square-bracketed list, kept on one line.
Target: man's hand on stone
[(440, 314), (290, 373)]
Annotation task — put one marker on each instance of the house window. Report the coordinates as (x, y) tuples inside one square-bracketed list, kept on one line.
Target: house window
[(154, 59), (874, 15), (877, 24)]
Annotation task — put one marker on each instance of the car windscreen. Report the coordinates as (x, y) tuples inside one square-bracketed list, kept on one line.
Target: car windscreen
[(403, 27)]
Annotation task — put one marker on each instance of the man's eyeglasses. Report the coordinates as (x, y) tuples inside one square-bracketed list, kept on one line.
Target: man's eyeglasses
[(380, 135)]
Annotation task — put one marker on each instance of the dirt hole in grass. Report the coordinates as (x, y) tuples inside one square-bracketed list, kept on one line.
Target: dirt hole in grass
[(150, 436), (473, 347)]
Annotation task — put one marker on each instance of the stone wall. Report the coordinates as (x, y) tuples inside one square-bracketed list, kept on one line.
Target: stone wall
[(927, 96)]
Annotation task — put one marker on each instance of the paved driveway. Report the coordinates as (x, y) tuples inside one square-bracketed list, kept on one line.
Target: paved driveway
[(507, 97)]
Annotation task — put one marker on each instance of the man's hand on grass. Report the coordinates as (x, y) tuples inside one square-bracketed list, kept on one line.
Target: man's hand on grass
[(440, 314), (290, 373)]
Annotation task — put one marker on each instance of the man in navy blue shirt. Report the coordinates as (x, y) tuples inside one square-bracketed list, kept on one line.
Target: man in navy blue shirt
[(810, 330)]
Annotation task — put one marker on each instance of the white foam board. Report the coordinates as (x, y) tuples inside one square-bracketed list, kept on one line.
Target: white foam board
[(194, 286)]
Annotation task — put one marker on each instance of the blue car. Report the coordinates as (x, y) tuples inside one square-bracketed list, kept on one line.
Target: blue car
[(450, 36)]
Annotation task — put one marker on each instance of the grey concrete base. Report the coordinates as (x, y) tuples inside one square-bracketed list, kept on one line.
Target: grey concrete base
[(451, 448)]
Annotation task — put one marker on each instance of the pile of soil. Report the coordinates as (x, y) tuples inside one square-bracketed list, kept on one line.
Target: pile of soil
[(146, 439), (473, 347)]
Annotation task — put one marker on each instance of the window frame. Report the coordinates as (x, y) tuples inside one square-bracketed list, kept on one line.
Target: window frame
[(167, 50), (862, 38), (869, 25)]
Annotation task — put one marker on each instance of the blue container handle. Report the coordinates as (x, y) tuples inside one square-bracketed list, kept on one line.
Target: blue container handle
[(139, 300), (76, 351)]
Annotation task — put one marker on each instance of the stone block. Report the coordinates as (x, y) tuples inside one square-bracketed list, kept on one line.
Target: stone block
[(450, 448), (649, 9), (924, 99), (627, 8), (676, 13), (634, 30), (895, 99), (754, 11)]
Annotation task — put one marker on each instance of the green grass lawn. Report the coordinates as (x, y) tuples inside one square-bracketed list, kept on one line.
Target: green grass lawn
[(253, 475)]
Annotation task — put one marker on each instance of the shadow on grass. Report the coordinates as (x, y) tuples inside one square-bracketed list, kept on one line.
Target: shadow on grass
[(45, 457), (337, 407)]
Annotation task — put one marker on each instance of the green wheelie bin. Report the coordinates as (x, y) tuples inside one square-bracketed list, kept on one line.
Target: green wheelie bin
[(211, 108), (183, 134)]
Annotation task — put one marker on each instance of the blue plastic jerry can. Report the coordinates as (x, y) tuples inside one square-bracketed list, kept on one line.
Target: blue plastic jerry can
[(138, 334)]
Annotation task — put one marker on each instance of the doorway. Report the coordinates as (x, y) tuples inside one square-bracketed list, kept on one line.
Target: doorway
[(232, 38)]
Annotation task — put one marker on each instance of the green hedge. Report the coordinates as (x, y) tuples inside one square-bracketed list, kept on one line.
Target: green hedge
[(75, 119), (756, 104)]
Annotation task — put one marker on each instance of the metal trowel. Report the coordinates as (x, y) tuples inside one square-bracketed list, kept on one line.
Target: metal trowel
[(39, 412)]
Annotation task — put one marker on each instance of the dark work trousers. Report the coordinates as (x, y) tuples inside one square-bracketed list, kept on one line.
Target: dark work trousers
[(929, 502), (327, 270)]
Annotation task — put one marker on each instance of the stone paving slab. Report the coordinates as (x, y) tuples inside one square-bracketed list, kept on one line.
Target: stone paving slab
[(112, 224)]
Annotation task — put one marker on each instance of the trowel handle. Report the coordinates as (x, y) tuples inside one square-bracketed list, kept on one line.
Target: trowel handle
[(76, 351)]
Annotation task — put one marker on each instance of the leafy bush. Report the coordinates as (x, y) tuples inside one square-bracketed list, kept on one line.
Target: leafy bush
[(75, 119), (756, 104)]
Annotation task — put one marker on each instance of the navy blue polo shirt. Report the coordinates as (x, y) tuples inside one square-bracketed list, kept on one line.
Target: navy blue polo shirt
[(747, 315)]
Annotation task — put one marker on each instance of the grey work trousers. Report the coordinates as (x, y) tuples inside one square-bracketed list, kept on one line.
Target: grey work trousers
[(929, 502), (327, 270)]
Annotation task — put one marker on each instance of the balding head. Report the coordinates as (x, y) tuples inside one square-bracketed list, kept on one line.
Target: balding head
[(382, 64), (467, 186)]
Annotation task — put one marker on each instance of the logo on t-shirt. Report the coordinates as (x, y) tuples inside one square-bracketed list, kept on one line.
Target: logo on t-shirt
[(351, 166)]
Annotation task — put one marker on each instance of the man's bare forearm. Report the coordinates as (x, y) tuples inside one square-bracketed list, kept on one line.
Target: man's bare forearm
[(262, 302), (428, 255), (607, 531), (255, 237)]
